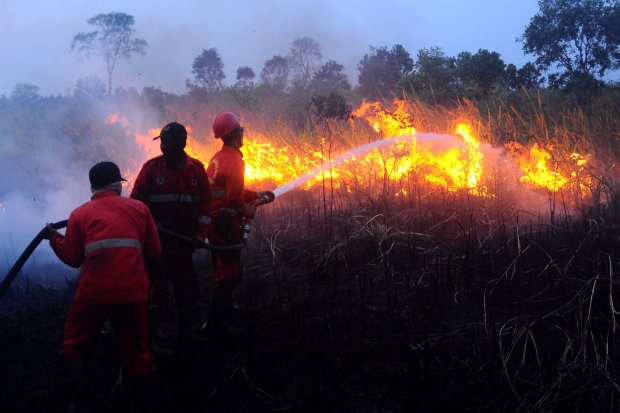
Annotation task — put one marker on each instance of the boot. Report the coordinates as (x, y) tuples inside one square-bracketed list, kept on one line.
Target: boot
[(218, 326), (155, 316), (184, 324), (78, 372)]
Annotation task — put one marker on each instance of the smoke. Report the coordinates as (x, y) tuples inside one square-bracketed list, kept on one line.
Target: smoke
[(245, 33), (46, 149)]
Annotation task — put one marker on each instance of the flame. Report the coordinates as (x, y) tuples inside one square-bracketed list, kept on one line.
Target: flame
[(454, 162), (543, 170), (395, 123)]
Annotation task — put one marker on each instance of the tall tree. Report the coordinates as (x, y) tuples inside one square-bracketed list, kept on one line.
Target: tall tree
[(578, 37), (208, 69), (90, 87), (330, 78), (483, 70), (25, 93), (113, 40), (434, 74), (304, 57), (381, 71), (527, 77), (275, 72), (245, 76)]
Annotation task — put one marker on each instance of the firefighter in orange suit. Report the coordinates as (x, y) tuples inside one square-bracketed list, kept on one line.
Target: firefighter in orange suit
[(175, 187), (115, 242), (230, 204)]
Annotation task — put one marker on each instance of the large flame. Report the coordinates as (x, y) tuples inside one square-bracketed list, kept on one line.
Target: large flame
[(453, 162)]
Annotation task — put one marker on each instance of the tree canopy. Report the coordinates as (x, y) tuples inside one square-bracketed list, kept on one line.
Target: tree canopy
[(330, 78), (276, 72), (303, 57), (208, 69), (578, 37), (113, 40), (381, 71)]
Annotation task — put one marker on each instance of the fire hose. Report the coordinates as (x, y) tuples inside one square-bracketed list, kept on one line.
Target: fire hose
[(199, 244), (245, 229), (10, 276)]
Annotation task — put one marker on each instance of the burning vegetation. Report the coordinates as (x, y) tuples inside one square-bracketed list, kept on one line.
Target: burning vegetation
[(415, 259)]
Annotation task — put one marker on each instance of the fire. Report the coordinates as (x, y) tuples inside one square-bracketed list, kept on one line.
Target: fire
[(542, 170), (395, 123), (397, 158)]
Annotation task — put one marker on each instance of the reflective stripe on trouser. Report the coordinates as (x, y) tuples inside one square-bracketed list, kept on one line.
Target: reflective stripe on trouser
[(129, 322), (112, 243)]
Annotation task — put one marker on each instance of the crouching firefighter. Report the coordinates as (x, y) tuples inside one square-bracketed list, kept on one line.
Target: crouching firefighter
[(175, 187), (115, 242), (231, 205)]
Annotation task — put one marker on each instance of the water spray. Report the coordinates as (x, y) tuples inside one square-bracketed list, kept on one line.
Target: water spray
[(351, 154)]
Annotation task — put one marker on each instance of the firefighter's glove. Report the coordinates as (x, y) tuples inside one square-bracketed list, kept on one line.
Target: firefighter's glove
[(49, 231), (266, 197), (248, 210)]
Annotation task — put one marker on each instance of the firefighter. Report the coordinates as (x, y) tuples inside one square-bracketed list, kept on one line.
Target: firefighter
[(175, 187), (231, 204), (115, 242)]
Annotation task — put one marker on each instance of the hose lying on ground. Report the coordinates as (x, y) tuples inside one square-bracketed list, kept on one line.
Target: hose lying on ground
[(10, 276)]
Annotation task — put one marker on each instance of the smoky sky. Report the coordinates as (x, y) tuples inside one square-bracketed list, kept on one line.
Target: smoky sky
[(37, 35)]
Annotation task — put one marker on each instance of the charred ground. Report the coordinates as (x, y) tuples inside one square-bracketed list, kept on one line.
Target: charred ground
[(379, 309)]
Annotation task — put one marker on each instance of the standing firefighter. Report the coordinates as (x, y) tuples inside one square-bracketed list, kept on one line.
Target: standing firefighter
[(231, 204), (115, 241), (175, 187)]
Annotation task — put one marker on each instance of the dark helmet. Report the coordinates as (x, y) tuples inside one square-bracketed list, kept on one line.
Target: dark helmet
[(173, 130), (104, 174)]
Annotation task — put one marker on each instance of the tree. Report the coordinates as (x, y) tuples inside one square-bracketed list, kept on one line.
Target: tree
[(90, 87), (304, 56), (208, 70), (275, 72), (113, 40), (527, 77), (25, 93), (434, 74), (330, 78), (483, 70), (381, 71), (579, 37), (245, 76)]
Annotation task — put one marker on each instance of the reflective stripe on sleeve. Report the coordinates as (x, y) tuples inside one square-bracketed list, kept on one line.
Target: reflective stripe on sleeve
[(112, 243), (203, 219)]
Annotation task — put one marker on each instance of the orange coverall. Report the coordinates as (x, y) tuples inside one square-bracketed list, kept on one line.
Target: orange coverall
[(115, 241), (226, 173)]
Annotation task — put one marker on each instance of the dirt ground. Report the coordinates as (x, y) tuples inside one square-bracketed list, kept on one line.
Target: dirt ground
[(308, 345), (349, 332)]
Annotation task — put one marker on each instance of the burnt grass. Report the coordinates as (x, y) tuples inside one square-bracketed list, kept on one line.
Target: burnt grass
[(373, 309)]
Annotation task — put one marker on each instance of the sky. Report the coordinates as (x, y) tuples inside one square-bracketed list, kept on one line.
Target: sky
[(37, 34)]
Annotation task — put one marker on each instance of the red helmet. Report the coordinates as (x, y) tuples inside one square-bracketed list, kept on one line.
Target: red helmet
[(224, 123)]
